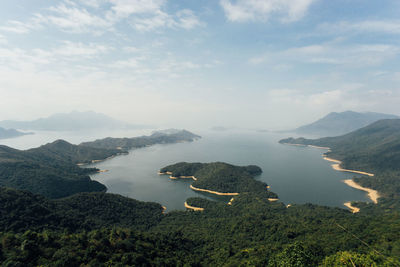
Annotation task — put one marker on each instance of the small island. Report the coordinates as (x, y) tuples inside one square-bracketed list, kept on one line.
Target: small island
[(219, 178)]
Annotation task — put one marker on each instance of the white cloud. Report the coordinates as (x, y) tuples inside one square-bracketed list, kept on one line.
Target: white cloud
[(34, 59), (15, 26), (79, 17), (262, 10), (3, 39), (183, 19), (72, 19), (376, 26), (187, 19), (345, 55), (125, 8)]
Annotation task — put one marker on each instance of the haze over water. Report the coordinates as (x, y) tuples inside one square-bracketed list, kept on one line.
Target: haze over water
[(297, 174)]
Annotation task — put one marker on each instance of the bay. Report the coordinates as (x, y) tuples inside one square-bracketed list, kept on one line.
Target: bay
[(297, 174)]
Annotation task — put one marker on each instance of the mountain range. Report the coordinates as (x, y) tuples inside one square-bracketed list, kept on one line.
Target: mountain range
[(73, 121), (338, 123)]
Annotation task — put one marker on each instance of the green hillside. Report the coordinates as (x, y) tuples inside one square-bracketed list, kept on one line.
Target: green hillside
[(22, 211), (51, 170)]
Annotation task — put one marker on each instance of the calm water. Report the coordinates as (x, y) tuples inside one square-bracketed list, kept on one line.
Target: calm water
[(296, 174)]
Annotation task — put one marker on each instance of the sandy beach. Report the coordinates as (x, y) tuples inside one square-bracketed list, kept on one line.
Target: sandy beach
[(372, 194), (164, 173), (273, 199), (193, 208), (319, 147), (183, 177), (213, 192), (337, 167), (352, 208)]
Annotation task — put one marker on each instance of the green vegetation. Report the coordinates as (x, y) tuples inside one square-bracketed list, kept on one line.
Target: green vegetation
[(159, 137), (22, 211), (51, 170), (221, 177), (252, 231)]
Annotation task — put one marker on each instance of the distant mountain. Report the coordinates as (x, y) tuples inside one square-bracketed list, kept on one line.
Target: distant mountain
[(69, 122), (335, 124), (10, 133), (168, 136), (375, 147)]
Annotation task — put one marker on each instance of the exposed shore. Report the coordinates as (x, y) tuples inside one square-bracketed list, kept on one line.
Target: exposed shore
[(352, 208), (337, 167), (372, 194), (213, 192), (183, 177), (192, 207)]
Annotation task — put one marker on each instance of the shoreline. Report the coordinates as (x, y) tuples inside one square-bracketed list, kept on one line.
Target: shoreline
[(337, 167), (372, 194), (192, 207), (352, 208), (183, 177), (213, 192)]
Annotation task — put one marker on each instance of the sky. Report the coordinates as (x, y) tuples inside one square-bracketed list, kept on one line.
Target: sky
[(264, 64)]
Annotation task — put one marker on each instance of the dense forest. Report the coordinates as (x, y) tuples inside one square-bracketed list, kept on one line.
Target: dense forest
[(158, 137), (251, 231)]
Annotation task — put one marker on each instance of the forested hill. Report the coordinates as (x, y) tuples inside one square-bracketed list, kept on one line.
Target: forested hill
[(10, 133), (221, 177), (51, 170), (21, 211), (373, 148), (335, 123), (61, 150), (158, 137)]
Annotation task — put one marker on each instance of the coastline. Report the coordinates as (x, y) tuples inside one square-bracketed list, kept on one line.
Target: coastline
[(213, 192), (183, 177), (337, 167), (192, 207), (372, 194), (352, 208)]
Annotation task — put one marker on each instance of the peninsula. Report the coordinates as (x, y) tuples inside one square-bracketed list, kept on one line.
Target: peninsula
[(169, 136)]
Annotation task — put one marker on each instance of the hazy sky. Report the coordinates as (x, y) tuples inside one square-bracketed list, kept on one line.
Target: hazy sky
[(252, 63)]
